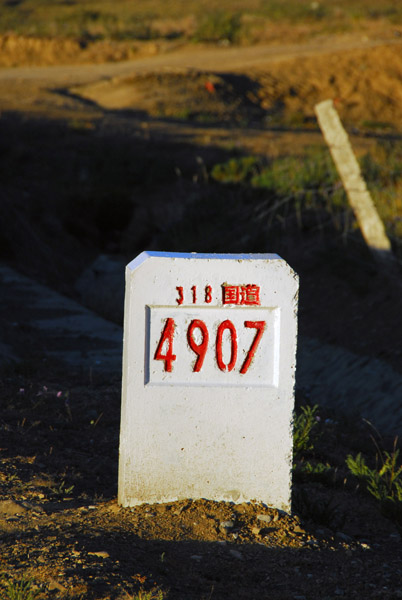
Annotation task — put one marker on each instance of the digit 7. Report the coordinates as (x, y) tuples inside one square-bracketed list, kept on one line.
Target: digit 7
[(260, 327), (199, 349)]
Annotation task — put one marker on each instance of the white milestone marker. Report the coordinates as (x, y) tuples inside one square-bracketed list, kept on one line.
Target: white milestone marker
[(208, 378)]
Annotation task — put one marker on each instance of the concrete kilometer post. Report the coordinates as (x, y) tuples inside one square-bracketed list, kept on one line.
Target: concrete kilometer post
[(208, 378)]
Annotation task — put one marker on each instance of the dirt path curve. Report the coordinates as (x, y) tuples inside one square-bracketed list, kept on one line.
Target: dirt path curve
[(209, 59)]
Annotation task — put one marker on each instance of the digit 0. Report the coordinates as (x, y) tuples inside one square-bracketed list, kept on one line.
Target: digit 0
[(233, 340)]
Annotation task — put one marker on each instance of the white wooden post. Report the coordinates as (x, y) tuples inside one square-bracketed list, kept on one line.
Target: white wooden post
[(359, 197)]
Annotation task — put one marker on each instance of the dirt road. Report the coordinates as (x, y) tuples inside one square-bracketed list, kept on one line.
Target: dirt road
[(220, 60), (280, 83)]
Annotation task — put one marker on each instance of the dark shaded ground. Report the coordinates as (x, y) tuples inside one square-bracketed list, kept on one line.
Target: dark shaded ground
[(72, 189)]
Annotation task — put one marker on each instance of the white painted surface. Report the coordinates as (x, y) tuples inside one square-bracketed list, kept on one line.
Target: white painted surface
[(223, 431)]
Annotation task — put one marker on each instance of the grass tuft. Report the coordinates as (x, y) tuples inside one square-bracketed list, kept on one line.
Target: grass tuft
[(304, 424), (383, 481), (22, 590)]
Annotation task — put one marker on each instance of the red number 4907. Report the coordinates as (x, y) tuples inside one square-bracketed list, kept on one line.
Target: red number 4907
[(200, 348)]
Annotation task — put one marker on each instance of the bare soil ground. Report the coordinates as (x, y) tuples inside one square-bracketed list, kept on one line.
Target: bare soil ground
[(59, 521), (62, 529)]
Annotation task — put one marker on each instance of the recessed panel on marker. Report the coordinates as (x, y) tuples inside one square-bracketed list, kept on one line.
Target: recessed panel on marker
[(212, 346)]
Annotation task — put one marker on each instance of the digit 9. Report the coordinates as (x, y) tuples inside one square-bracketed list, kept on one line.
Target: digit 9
[(201, 348)]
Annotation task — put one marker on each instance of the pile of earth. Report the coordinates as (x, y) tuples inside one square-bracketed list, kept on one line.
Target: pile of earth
[(17, 50), (181, 94), (366, 85)]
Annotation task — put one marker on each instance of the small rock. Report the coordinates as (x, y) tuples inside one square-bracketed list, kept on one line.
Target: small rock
[(365, 546), (276, 517), (256, 530), (342, 537), (55, 585), (226, 524), (100, 554), (298, 529), (236, 554), (265, 518), (182, 508), (34, 507), (197, 557), (179, 510), (9, 508)]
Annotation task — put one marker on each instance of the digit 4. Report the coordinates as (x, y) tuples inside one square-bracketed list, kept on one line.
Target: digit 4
[(167, 336)]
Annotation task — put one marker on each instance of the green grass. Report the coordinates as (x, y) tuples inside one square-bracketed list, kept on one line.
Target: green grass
[(258, 200), (309, 184), (237, 170), (304, 425), (383, 480), (323, 461), (21, 590), (124, 19), (155, 594), (382, 170), (301, 185)]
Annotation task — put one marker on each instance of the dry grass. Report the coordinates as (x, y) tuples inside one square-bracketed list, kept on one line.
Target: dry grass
[(106, 19)]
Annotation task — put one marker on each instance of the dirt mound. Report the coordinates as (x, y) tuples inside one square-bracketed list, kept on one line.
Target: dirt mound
[(17, 50), (365, 84), (180, 94)]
